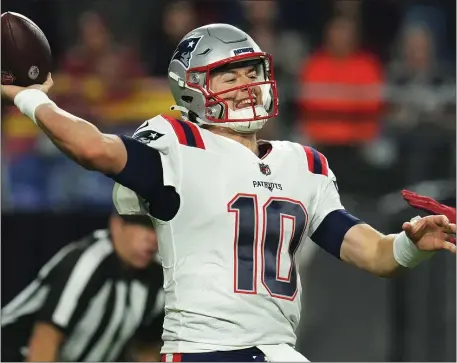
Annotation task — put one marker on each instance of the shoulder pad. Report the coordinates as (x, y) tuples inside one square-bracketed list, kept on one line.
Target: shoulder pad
[(317, 162), (187, 133)]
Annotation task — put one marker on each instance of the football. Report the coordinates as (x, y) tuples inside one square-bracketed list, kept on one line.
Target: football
[(26, 54)]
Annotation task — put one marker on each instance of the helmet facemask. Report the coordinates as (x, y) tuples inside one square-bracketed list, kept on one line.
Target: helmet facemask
[(217, 111)]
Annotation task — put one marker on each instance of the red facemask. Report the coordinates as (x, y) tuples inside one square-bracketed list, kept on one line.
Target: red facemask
[(217, 109)]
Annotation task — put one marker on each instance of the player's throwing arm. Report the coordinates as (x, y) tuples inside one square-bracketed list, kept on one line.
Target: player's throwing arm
[(85, 144), (77, 138)]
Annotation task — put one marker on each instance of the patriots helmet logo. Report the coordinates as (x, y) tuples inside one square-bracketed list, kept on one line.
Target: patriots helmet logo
[(183, 52)]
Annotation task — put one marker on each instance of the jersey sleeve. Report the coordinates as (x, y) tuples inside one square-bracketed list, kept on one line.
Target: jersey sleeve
[(329, 221), (151, 180), (328, 200), (158, 133)]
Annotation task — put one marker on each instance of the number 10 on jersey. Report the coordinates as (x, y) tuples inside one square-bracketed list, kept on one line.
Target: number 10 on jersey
[(282, 217)]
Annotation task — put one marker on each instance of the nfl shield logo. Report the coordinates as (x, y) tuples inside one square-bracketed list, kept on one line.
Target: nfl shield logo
[(264, 169)]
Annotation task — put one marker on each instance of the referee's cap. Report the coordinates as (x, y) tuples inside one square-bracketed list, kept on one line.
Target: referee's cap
[(137, 219)]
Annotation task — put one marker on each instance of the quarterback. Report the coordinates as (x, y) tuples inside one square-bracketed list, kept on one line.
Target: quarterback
[(231, 211)]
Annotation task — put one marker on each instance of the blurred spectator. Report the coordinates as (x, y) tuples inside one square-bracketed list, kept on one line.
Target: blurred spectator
[(422, 117), (430, 15), (115, 65), (348, 8), (97, 72), (179, 17), (341, 96), (340, 101), (103, 67), (263, 24)]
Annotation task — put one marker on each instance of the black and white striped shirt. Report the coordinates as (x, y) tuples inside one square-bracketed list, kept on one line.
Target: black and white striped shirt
[(97, 303)]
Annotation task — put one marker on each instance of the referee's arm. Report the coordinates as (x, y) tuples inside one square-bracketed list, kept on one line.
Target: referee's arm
[(148, 339), (66, 282)]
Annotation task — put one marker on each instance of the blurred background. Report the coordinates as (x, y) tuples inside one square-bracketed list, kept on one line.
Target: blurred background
[(371, 84)]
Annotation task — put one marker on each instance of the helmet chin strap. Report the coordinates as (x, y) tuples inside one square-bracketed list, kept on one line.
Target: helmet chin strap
[(247, 112), (243, 127), (246, 127), (185, 114)]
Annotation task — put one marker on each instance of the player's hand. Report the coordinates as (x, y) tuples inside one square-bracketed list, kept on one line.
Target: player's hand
[(431, 233), (428, 205), (9, 92)]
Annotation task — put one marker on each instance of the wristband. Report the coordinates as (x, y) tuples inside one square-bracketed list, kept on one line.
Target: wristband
[(28, 100), (406, 253)]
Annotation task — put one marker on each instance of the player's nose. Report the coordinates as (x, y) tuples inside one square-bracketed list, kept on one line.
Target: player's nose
[(253, 90)]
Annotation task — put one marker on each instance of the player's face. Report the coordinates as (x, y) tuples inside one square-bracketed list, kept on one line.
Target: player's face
[(134, 243), (237, 77), (141, 244)]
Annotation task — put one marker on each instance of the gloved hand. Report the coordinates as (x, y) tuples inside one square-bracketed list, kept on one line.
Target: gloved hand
[(429, 205)]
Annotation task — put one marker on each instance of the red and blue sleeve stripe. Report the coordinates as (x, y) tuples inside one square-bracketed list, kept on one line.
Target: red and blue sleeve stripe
[(187, 133), (317, 163)]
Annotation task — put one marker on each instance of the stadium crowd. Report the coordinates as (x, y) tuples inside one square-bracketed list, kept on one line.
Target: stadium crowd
[(375, 99)]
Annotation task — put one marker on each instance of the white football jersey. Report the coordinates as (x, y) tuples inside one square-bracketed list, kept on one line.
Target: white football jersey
[(230, 275)]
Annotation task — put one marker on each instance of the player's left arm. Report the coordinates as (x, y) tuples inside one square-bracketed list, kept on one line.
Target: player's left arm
[(383, 255), (355, 242)]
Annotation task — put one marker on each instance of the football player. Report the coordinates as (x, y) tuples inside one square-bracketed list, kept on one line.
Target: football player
[(230, 211)]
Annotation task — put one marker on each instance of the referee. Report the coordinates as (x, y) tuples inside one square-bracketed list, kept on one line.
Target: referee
[(99, 299)]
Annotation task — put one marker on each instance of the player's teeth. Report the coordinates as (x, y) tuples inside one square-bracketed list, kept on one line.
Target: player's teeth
[(245, 102)]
